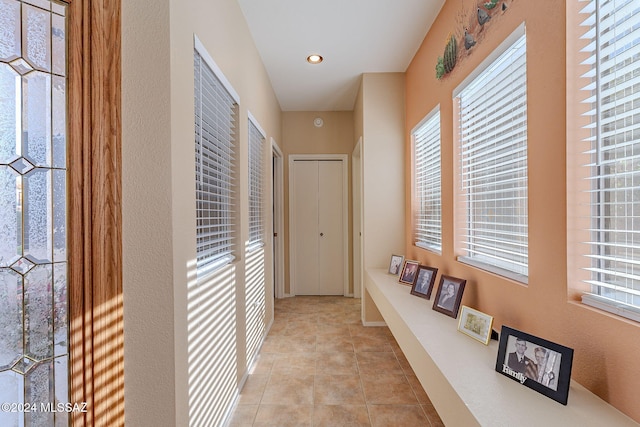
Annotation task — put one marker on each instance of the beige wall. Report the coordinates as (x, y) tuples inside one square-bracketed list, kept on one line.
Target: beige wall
[(149, 338), (383, 164), (606, 347), (300, 136), (169, 314), (380, 116)]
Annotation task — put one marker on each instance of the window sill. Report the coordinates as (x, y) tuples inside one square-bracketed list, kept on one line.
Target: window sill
[(204, 272), (521, 278), (458, 373), (434, 249), (611, 306), (254, 246)]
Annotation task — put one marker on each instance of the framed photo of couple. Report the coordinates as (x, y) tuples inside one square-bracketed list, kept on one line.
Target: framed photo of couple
[(449, 295), (409, 272), (536, 363)]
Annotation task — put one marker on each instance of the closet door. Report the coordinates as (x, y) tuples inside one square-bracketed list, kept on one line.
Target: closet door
[(304, 253), (330, 227), (317, 253)]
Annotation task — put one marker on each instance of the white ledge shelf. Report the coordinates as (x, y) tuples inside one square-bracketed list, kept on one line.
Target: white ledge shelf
[(458, 373)]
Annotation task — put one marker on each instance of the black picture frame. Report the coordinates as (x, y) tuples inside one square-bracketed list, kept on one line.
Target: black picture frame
[(424, 281), (553, 380), (449, 295), (409, 270)]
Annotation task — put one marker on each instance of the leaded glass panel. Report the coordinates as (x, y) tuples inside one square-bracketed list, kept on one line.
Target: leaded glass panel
[(36, 37), (9, 108), (10, 43), (34, 314), (11, 336)]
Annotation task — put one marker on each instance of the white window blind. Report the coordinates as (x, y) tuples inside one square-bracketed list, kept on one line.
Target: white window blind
[(215, 122), (256, 186), (613, 93), (427, 179), (493, 165)]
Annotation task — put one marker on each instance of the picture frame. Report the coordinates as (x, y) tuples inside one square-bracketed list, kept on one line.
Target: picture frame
[(475, 324), (395, 264), (555, 359), (424, 281), (449, 295), (409, 270)]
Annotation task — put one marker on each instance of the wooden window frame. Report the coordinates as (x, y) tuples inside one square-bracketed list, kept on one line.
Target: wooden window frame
[(95, 217)]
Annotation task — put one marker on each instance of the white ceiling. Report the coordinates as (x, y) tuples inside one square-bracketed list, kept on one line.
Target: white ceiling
[(353, 36)]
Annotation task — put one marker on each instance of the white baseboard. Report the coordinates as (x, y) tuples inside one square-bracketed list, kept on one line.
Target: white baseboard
[(374, 323), (245, 377)]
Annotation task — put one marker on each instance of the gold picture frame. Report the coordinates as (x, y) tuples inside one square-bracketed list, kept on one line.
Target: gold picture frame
[(475, 324)]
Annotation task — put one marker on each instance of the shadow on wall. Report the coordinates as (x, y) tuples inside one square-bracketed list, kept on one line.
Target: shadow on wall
[(211, 344)]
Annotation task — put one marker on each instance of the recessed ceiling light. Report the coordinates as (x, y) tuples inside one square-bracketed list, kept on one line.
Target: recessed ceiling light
[(314, 59)]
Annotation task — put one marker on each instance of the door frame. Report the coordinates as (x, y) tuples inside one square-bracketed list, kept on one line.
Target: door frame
[(358, 218), (277, 162), (344, 158), (94, 200)]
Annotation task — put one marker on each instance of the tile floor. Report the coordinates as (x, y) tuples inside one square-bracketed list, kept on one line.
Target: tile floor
[(320, 367)]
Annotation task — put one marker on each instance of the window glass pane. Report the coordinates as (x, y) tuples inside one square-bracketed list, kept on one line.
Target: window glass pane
[(36, 36), (493, 164), (10, 41), (215, 122), (256, 208), (611, 87), (427, 183)]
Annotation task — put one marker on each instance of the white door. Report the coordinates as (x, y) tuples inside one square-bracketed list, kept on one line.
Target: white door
[(318, 230)]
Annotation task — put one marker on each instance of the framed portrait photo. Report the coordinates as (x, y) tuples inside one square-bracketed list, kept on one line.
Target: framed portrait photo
[(536, 363), (395, 264), (423, 283), (409, 271), (475, 324), (449, 295)]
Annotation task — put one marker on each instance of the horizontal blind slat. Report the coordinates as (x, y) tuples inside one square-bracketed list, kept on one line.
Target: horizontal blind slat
[(427, 183), (493, 163), (612, 90), (215, 136), (256, 197)]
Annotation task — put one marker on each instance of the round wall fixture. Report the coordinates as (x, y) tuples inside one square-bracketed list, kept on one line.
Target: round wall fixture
[(318, 122)]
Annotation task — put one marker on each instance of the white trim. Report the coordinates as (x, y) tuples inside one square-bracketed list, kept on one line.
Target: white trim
[(606, 304), (236, 400), (426, 118), (345, 213), (278, 218), (427, 247), (374, 323), (252, 247), (521, 278), (503, 47), (357, 158), (197, 44), (255, 122)]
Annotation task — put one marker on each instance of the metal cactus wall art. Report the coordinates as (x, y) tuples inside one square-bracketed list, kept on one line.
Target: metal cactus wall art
[(470, 24)]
